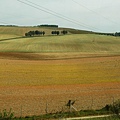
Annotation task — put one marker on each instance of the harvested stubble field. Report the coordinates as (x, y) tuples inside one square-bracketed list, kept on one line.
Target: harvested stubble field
[(28, 86), (43, 73)]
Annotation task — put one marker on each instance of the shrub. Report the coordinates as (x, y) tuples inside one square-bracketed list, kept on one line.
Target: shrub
[(116, 107), (6, 115)]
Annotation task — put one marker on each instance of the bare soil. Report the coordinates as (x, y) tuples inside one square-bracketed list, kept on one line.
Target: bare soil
[(28, 100), (35, 100)]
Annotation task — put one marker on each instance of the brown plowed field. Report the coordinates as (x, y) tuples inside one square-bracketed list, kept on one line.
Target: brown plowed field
[(30, 87)]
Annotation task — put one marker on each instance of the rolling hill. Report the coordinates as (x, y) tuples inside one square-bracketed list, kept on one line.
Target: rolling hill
[(12, 40)]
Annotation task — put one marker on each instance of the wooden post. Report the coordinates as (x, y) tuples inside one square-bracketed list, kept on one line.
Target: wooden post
[(46, 109)]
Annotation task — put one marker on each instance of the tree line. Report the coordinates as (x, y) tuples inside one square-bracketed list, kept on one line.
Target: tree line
[(117, 34), (35, 33), (58, 32), (38, 33), (56, 26)]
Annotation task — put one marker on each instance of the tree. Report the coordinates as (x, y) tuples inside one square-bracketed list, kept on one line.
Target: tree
[(43, 32), (37, 32), (64, 32), (116, 107), (117, 34), (55, 32), (31, 33), (26, 34), (52, 32)]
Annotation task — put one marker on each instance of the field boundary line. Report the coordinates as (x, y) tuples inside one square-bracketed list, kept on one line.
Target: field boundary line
[(86, 117)]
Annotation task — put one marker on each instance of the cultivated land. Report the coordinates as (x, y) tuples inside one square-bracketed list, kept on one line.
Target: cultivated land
[(36, 72)]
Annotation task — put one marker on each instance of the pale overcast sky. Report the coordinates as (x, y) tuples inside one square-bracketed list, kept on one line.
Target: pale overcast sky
[(93, 15)]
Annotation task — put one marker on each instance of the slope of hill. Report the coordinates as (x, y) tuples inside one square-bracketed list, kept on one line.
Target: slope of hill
[(12, 40), (20, 31)]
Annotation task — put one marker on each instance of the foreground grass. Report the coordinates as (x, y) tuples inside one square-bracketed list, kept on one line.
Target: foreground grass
[(72, 115)]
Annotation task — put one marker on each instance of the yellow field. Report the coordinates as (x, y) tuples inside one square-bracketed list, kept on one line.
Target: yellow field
[(56, 72), (92, 81)]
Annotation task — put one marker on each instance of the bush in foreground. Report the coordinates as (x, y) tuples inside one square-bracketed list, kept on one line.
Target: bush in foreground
[(6, 115)]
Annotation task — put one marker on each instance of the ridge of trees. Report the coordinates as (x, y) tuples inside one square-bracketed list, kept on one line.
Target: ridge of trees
[(64, 32), (9, 26), (35, 33), (117, 34), (58, 32), (46, 25), (55, 32), (38, 33)]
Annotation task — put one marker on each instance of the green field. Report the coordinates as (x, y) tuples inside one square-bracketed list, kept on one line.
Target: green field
[(12, 40)]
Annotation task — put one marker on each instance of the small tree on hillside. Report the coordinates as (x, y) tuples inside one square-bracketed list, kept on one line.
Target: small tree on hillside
[(117, 34), (64, 32), (26, 34), (33, 33), (37, 32), (43, 32), (55, 32)]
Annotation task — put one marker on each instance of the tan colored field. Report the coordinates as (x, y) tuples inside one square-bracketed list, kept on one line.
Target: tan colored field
[(45, 72), (68, 71), (20, 31), (27, 86)]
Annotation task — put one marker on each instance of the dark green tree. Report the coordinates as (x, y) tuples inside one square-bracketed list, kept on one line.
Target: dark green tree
[(116, 107), (37, 32), (64, 32), (43, 32), (57, 32), (117, 34)]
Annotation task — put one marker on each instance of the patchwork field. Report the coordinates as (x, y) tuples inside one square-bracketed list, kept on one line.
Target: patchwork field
[(43, 73)]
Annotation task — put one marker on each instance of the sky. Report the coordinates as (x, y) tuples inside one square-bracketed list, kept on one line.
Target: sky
[(92, 15)]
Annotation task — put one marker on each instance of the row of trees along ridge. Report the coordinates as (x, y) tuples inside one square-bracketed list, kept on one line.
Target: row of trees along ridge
[(58, 32), (117, 34), (38, 33), (33, 33)]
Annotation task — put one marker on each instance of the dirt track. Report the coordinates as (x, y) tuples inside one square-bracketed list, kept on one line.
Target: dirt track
[(35, 100)]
